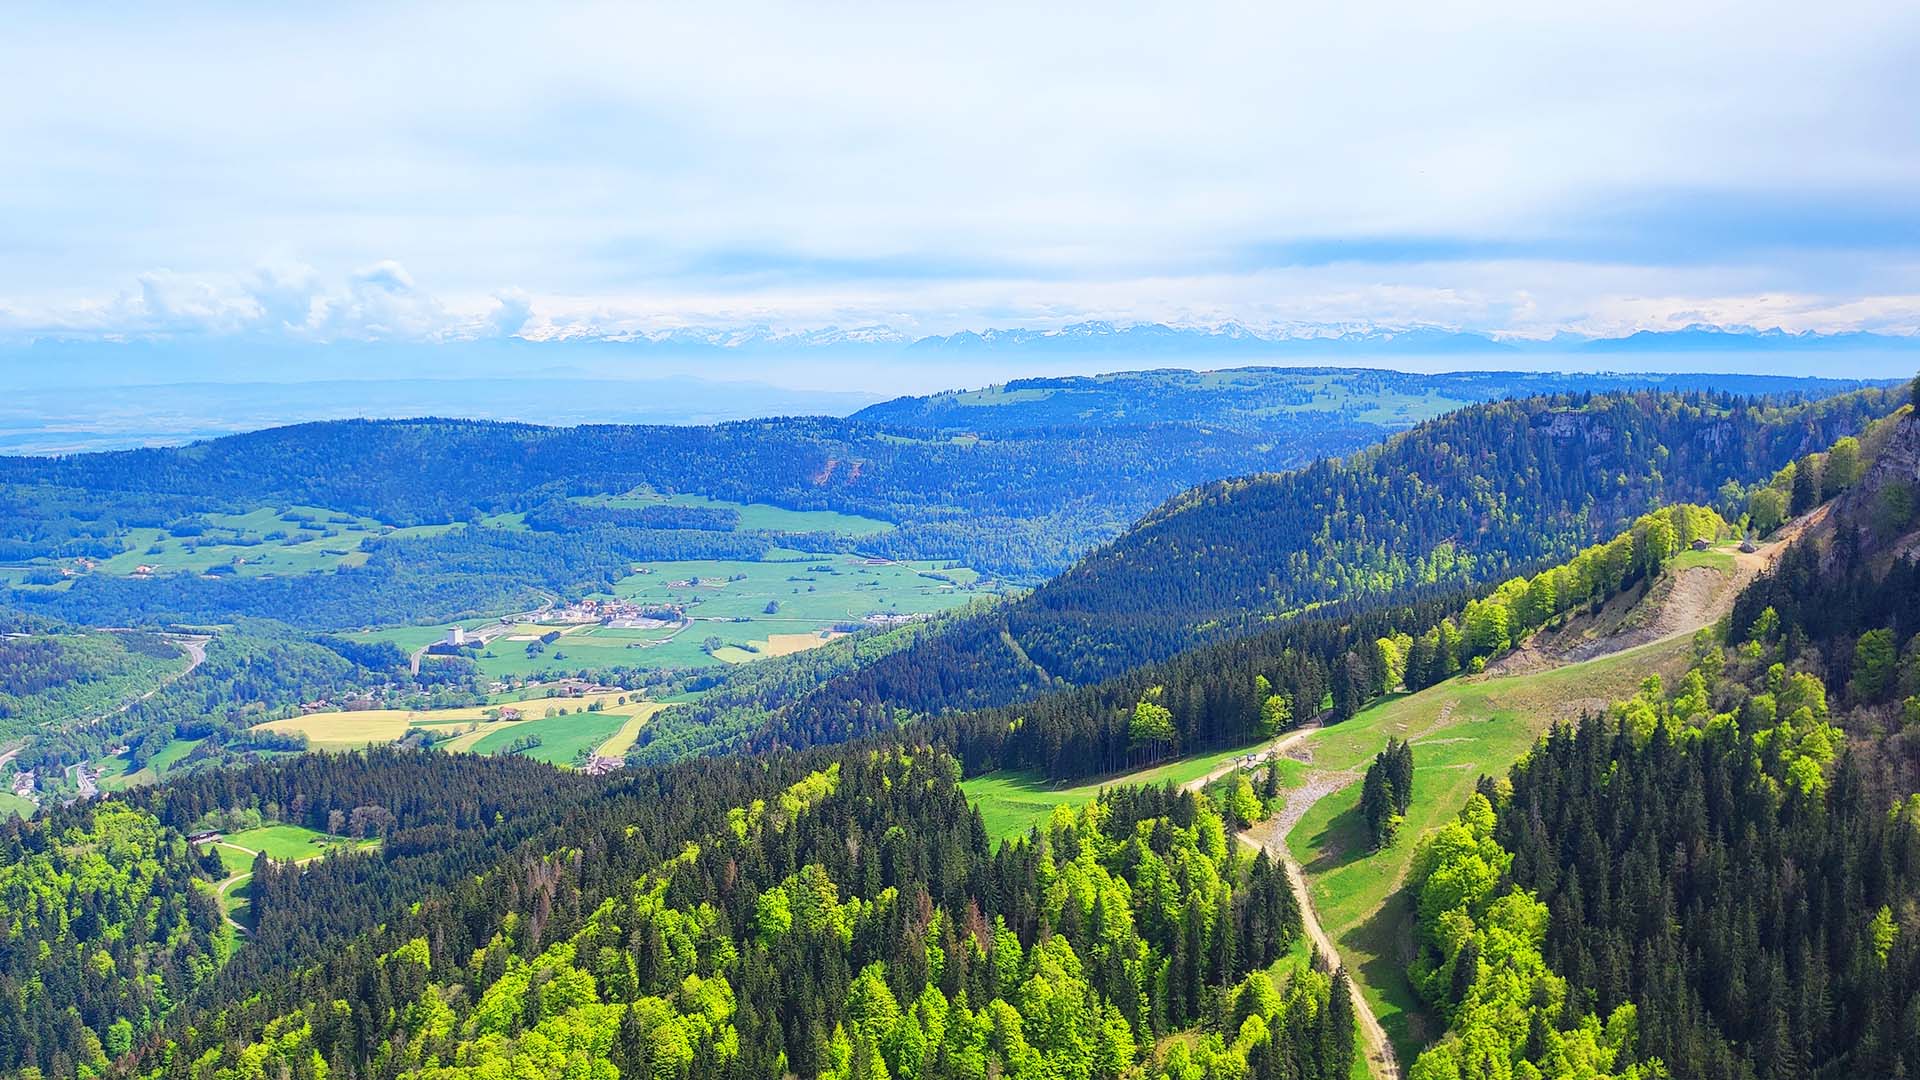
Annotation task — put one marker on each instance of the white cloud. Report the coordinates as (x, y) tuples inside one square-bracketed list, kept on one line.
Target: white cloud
[(1503, 166)]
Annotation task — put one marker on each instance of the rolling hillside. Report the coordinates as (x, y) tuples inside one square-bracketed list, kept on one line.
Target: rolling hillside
[(1467, 498)]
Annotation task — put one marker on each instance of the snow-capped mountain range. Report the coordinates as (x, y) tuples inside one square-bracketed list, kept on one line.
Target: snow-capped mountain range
[(1234, 338)]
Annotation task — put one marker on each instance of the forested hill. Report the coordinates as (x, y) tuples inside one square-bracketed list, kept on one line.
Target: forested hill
[(1017, 499), (1464, 498), (1732, 859), (1254, 400)]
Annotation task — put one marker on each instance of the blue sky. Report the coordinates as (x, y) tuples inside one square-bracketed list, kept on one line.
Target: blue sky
[(354, 172)]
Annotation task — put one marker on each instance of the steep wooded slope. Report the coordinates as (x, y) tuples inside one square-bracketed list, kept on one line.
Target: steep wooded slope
[(1464, 499)]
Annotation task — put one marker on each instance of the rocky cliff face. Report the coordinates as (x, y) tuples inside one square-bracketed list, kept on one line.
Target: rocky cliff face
[(1885, 504)]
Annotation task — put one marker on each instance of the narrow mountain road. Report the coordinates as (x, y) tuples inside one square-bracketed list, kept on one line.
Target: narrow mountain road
[(1270, 836), (1257, 756), (230, 882), (196, 648)]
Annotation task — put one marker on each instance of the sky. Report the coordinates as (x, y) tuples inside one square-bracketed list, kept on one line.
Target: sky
[(326, 173)]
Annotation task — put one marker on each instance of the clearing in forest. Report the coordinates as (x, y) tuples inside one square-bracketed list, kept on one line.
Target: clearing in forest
[(1472, 726), (1013, 802)]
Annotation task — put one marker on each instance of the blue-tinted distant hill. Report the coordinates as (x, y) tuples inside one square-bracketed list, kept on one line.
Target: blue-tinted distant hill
[(1263, 399), (1717, 339), (1016, 482)]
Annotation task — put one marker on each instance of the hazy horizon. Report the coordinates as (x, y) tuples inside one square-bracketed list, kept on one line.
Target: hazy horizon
[(361, 174)]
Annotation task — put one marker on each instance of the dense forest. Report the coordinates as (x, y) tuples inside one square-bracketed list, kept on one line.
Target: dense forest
[(1459, 501), (1725, 870), (102, 930), (1337, 658), (1715, 878), (809, 915)]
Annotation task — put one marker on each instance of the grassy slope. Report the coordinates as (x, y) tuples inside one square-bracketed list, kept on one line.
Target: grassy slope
[(1012, 803), (283, 841), (1460, 730), (623, 739), (561, 737)]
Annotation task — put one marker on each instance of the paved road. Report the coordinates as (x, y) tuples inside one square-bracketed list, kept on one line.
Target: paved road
[(196, 647)]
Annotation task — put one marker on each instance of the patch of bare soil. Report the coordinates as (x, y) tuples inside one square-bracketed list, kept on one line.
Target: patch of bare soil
[(1681, 602), (1299, 800)]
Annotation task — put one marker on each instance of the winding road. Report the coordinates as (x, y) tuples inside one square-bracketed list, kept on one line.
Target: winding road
[(1271, 836), (231, 881)]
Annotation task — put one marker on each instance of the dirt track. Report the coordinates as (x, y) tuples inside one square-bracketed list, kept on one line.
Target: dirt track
[(1270, 836)]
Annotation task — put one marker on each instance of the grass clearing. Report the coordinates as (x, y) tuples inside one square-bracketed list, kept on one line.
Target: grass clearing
[(1012, 803), (291, 842), (1459, 730), (15, 806), (1719, 557), (172, 753), (234, 860), (118, 774)]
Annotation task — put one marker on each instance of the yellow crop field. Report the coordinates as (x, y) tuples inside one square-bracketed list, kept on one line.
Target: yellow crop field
[(354, 729), (622, 740), (785, 644)]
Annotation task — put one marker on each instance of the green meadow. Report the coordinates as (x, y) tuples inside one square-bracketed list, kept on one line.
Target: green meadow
[(561, 737), (1460, 730), (1012, 803)]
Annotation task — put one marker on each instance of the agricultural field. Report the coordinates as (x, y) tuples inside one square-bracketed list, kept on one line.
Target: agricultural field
[(811, 592), (752, 516), (480, 729), (562, 738), (12, 805), (1460, 730), (811, 597), (740, 610), (622, 740)]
